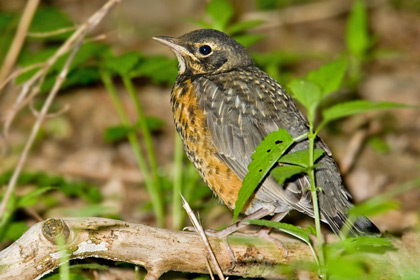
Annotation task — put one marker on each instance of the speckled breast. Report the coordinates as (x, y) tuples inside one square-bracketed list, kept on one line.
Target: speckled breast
[(191, 124)]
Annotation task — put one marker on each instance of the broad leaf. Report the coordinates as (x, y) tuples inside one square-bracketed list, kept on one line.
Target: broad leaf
[(301, 158), (329, 76), (282, 173), (243, 25), (32, 197), (221, 12), (355, 107), (308, 93), (264, 158), (123, 64), (160, 69)]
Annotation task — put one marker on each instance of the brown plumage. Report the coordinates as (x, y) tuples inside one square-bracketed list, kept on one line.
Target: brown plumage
[(223, 107)]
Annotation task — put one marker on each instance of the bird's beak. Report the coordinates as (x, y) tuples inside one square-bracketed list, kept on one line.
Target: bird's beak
[(175, 46)]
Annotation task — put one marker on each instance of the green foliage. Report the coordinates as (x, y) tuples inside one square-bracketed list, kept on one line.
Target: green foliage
[(278, 4), (221, 13), (329, 76), (309, 95), (358, 40), (284, 172), (47, 182), (13, 231), (379, 145), (159, 69), (311, 92), (357, 36), (301, 158), (82, 71), (265, 157), (356, 107), (120, 132), (295, 231), (43, 19), (317, 85)]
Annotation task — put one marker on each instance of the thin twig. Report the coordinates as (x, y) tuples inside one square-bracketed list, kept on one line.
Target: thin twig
[(32, 87), (41, 117), (51, 33), (18, 40), (29, 86), (203, 236)]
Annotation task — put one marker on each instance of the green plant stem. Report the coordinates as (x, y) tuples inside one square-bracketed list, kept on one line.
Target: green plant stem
[(312, 137), (144, 130), (155, 196), (177, 211)]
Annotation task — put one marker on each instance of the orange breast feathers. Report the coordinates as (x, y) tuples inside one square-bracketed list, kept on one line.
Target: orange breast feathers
[(191, 124)]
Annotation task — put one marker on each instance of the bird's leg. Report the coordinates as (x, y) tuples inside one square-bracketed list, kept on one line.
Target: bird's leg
[(242, 223), (265, 231), (224, 233)]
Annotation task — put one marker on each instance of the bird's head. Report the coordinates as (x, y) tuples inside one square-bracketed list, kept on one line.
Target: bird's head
[(206, 51)]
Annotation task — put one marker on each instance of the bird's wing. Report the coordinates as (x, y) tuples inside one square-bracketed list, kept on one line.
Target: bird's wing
[(241, 110)]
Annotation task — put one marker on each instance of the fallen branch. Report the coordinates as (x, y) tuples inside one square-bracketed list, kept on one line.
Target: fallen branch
[(157, 250)]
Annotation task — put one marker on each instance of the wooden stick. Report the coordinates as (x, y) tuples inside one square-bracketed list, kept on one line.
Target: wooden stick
[(158, 250)]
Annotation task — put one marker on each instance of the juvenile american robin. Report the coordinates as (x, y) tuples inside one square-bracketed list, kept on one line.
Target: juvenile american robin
[(223, 106)]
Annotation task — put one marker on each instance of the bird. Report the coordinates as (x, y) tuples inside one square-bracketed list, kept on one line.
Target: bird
[(223, 106)]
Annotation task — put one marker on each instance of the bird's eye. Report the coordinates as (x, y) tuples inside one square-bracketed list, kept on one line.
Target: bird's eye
[(205, 50)]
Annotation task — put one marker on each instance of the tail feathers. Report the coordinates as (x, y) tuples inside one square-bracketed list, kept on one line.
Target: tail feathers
[(362, 227)]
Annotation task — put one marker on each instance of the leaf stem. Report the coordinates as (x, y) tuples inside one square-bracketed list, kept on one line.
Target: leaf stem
[(311, 173)]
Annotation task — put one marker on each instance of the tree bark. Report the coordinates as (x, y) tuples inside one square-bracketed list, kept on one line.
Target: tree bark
[(157, 250)]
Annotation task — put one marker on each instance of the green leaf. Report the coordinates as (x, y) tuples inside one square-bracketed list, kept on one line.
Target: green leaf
[(357, 37), (48, 19), (295, 231), (301, 157), (264, 158), (243, 25), (342, 268), (32, 197), (379, 145), (221, 11), (365, 241), (116, 133), (124, 63), (14, 231), (159, 69), (282, 173), (356, 107), (119, 132), (329, 76), (247, 40), (373, 207), (308, 93), (200, 22)]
